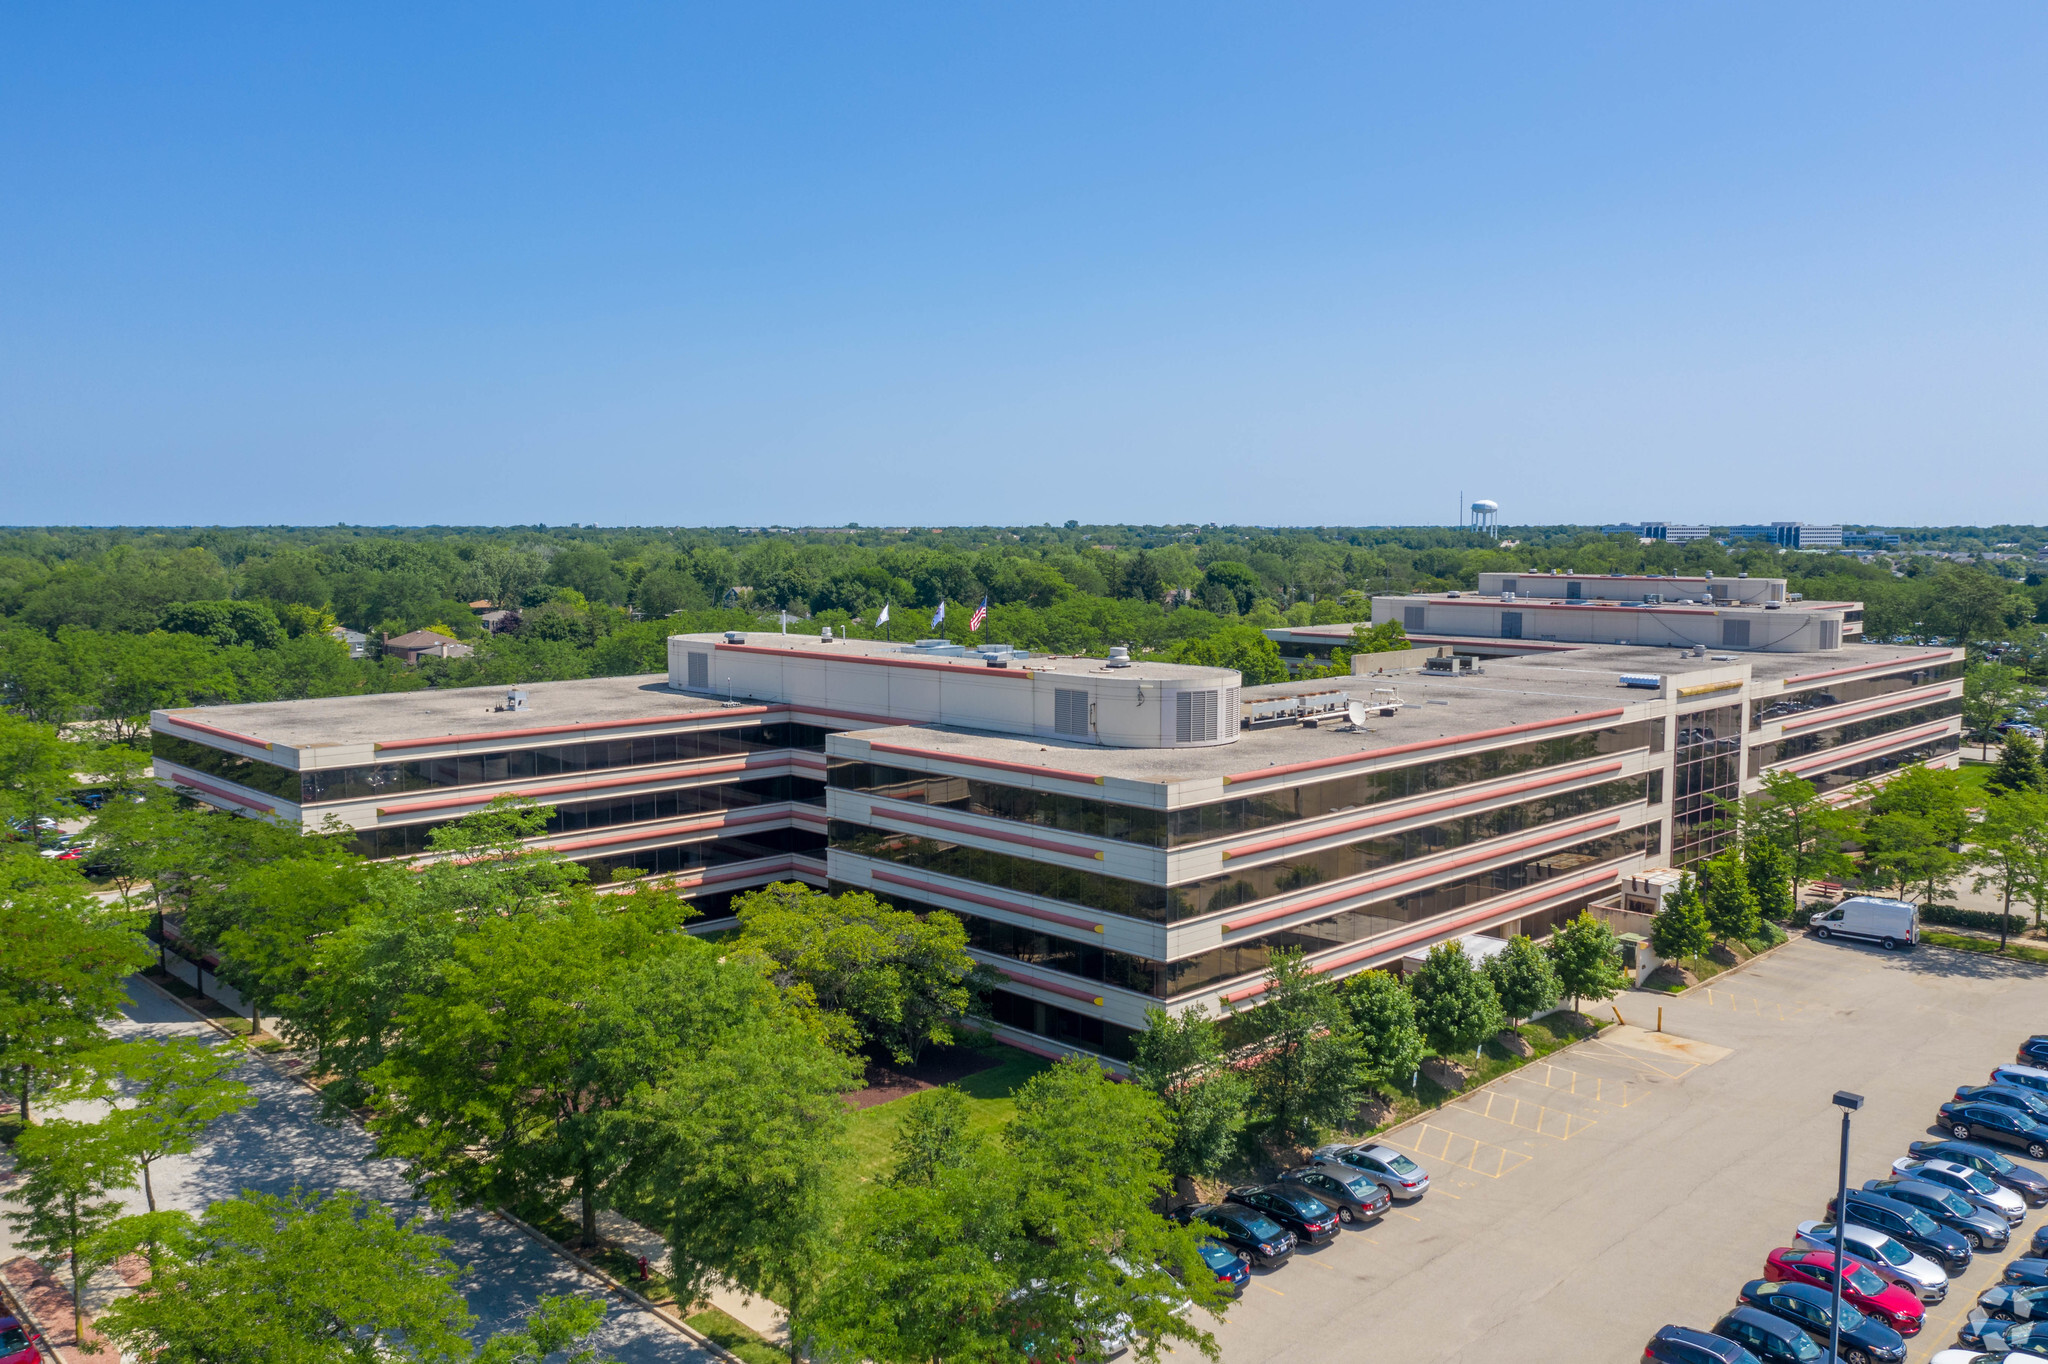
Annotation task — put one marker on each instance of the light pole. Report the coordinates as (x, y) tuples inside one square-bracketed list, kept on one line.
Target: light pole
[(1848, 1103)]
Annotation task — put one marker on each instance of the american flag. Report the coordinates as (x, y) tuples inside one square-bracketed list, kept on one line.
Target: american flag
[(980, 615)]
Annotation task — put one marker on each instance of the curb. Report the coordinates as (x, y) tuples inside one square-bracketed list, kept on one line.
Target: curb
[(668, 1316), (38, 1336), (661, 1314), (1725, 971)]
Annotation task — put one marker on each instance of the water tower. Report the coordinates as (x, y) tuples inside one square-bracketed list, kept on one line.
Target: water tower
[(1486, 517)]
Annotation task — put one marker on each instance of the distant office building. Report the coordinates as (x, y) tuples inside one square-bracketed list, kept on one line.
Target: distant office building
[(1659, 530), (1790, 535), (1870, 539)]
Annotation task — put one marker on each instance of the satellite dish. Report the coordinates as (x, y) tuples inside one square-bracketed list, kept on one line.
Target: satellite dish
[(1356, 710)]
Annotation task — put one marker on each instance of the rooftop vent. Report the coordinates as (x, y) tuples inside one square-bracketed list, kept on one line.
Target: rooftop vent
[(514, 700), (1647, 681), (825, 635), (735, 637), (1119, 656)]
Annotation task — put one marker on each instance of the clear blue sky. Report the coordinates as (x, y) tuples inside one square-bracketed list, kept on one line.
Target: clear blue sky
[(761, 263)]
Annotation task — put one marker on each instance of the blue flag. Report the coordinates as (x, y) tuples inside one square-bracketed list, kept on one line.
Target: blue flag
[(939, 616)]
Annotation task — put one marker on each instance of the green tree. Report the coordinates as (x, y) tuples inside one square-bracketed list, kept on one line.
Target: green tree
[(176, 1088), (1790, 812), (36, 769), (1587, 960), (2009, 851), (1768, 871), (1680, 929), (1385, 638), (1990, 691), (1383, 1013), (497, 1084), (65, 1172), (1182, 1061), (265, 921), (1522, 979), (63, 971), (316, 1278), (1730, 904), (2019, 765), (932, 1136), (1310, 1068), (898, 979), (1455, 1005)]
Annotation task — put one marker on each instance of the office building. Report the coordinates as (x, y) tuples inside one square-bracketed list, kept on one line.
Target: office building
[(1790, 535), (1660, 530), (1116, 836)]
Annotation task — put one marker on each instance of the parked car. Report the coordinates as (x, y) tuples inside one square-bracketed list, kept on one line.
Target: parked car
[(2028, 1184), (1964, 1357), (1864, 1339), (1356, 1196), (2025, 1100), (1910, 1227), (1231, 1269), (1888, 923), (2026, 1077), (1980, 1227), (1890, 1259), (1770, 1338), (2014, 1302), (2005, 1338), (1975, 1186), (1683, 1345), (2025, 1272), (2034, 1051), (1291, 1205), (1994, 1122), (1404, 1179), (1898, 1307), (15, 1346), (1263, 1241)]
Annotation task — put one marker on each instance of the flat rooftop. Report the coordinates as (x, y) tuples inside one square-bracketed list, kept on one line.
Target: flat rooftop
[(1526, 601), (433, 713), (884, 651)]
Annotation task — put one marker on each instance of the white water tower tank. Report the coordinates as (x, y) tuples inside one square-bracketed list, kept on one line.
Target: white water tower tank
[(1486, 517)]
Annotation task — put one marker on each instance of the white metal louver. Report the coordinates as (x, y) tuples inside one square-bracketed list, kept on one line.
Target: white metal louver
[(700, 670), (1070, 711), (1194, 719)]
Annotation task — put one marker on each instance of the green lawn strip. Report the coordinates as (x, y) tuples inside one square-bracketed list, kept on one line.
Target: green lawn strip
[(1546, 1035), (734, 1337), (992, 1099), (1964, 942)]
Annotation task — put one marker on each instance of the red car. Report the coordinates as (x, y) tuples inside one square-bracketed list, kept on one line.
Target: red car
[(1889, 1303), (14, 1343)]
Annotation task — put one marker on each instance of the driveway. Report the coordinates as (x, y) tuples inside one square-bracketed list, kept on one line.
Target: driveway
[(279, 1142), (1638, 1180)]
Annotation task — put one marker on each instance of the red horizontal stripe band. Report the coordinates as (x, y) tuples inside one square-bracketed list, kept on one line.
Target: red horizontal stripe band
[(1070, 849), (1035, 983), (225, 795), (1945, 655), (1392, 816), (584, 728), (1830, 757), (1445, 742), (995, 763), (1028, 912), (635, 833), (961, 668), (1405, 938), (1374, 885), (218, 732), (1905, 700)]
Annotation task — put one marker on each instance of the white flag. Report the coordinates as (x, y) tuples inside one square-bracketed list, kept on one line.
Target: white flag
[(883, 619)]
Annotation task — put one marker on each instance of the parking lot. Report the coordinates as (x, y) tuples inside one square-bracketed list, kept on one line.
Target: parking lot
[(1639, 1179)]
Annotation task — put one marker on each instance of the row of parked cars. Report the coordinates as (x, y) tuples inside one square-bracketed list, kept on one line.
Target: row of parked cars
[(1904, 1236), (1263, 1224)]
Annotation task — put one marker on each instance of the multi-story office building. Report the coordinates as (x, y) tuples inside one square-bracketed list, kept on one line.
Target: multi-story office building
[(1790, 535), (1115, 836), (1660, 530), (1739, 614)]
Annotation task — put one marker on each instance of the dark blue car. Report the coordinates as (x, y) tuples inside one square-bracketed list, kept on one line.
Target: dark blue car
[(1231, 1269), (2034, 1051), (2026, 1273), (2030, 1102), (1808, 1308), (2028, 1184), (1683, 1345), (1909, 1226), (1970, 1118)]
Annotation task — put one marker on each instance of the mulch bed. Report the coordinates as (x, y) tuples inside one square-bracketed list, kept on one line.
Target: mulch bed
[(940, 1066)]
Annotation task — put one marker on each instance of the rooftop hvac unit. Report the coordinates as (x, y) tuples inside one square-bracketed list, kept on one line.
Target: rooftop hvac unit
[(735, 637), (1119, 656), (1444, 664), (515, 700), (1647, 681)]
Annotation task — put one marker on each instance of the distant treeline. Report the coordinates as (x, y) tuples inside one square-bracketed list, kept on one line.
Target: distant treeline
[(107, 623)]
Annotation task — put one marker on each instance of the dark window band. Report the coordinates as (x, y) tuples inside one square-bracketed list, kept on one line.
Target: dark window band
[(1836, 736), (1842, 693)]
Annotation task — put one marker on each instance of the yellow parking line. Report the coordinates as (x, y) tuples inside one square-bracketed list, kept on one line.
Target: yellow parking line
[(1509, 1111), (1577, 1084), (1274, 1291)]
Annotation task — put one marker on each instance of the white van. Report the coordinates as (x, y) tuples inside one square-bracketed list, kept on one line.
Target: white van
[(1890, 923)]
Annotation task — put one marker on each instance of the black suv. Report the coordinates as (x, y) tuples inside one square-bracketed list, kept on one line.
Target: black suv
[(1257, 1235), (1310, 1219), (1907, 1225)]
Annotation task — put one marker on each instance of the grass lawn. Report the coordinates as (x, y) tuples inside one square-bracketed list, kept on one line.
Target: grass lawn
[(1974, 776), (992, 1096), (1966, 943), (729, 1335)]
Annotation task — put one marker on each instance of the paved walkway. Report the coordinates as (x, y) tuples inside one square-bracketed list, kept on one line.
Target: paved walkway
[(279, 1141)]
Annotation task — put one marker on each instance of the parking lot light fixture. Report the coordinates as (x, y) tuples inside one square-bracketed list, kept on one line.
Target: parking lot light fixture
[(1848, 1103)]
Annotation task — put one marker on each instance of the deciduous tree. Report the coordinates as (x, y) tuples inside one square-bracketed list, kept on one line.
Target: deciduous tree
[(1680, 929), (1730, 905), (1182, 1060), (1587, 960), (1522, 979), (176, 1088), (1454, 1003), (1383, 1012), (66, 1172), (1308, 1068)]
